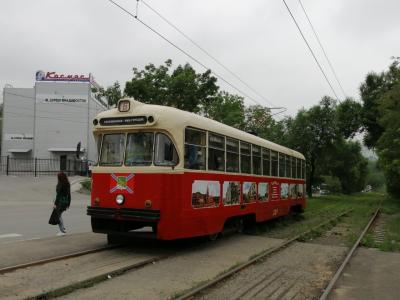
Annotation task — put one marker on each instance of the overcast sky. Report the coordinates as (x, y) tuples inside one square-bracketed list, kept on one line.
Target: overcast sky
[(256, 39)]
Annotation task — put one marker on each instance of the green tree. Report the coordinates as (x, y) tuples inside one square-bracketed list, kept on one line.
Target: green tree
[(349, 117), (388, 145), (227, 109), (182, 88), (112, 94), (372, 90), (312, 132)]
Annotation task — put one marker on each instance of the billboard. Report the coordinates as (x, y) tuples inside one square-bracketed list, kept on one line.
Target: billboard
[(54, 76)]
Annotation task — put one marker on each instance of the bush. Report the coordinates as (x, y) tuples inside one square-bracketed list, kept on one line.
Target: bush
[(87, 185)]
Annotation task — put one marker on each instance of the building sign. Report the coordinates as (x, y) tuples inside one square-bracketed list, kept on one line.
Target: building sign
[(123, 121), (54, 76), (18, 137), (61, 99)]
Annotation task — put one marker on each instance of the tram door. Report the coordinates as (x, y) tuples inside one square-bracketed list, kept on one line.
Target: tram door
[(63, 162)]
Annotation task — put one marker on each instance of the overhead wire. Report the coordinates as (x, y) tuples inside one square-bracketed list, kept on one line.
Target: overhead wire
[(183, 51), (323, 49), (205, 51), (312, 52)]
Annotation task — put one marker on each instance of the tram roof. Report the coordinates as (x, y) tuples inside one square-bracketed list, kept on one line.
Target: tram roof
[(171, 119)]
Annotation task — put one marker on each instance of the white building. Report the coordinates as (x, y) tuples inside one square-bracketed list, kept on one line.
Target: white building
[(50, 119)]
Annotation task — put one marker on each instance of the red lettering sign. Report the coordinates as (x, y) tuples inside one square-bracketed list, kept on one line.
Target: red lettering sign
[(53, 76)]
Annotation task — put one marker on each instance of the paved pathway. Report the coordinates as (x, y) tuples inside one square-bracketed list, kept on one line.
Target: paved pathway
[(26, 204), (372, 274)]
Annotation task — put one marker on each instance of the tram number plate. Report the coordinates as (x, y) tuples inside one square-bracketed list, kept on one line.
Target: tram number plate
[(275, 212)]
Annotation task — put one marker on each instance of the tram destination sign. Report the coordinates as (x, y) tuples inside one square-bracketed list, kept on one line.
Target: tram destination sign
[(137, 120)]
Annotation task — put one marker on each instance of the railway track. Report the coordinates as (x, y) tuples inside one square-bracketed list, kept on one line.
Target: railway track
[(261, 284), (55, 258), (88, 281), (339, 272)]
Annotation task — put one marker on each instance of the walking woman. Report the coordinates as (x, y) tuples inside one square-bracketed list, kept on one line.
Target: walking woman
[(63, 199)]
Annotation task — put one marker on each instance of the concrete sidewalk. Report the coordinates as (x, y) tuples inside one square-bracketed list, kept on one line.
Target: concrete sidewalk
[(26, 204), (371, 274)]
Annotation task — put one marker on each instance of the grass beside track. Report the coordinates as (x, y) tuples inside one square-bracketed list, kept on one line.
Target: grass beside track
[(321, 208)]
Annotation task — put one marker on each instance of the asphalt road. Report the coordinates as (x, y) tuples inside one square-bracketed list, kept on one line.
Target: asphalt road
[(26, 204)]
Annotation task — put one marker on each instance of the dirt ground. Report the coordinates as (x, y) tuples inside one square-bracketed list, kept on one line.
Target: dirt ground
[(300, 271), (302, 268)]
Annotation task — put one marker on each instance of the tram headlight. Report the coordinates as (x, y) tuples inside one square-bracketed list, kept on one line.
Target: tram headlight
[(120, 199)]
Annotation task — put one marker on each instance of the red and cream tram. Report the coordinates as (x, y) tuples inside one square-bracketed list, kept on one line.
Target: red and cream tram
[(184, 175)]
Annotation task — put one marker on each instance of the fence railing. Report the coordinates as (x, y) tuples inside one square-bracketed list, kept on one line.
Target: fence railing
[(38, 167)]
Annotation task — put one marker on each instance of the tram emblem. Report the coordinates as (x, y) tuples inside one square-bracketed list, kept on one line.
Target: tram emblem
[(121, 183)]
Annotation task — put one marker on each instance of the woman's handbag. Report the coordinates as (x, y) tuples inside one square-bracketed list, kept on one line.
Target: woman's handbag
[(54, 218)]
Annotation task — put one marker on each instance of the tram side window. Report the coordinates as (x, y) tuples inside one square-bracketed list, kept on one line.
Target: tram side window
[(139, 149), (245, 158), (165, 152), (303, 169), (293, 167), (284, 190), (300, 191), (216, 152), (298, 168), (266, 162), (232, 155), (282, 167), (231, 192), (288, 165), (256, 150), (249, 192), (263, 191), (274, 163), (98, 143), (293, 190), (195, 149), (112, 151)]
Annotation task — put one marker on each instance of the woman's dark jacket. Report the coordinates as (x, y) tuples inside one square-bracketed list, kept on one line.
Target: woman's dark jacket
[(63, 197)]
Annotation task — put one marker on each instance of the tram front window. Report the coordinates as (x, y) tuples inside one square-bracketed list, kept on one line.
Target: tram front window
[(112, 149), (139, 149)]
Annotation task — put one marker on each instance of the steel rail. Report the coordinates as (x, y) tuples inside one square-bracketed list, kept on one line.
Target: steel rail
[(339, 272), (56, 258), (264, 254)]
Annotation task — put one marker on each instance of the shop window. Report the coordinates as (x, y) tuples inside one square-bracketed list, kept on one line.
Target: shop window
[(205, 194), (263, 191), (249, 192), (195, 149), (216, 152), (284, 190), (232, 155), (231, 193), (266, 162), (256, 151)]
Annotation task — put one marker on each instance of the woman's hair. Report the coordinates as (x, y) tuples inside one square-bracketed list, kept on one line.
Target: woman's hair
[(63, 183)]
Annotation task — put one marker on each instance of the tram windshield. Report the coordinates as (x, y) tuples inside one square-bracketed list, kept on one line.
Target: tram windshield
[(142, 149), (139, 149), (112, 149)]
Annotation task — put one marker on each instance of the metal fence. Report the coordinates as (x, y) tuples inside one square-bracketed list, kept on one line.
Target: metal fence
[(39, 167)]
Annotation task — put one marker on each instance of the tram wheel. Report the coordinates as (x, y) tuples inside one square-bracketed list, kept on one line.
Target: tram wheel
[(113, 239), (239, 225), (213, 237)]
